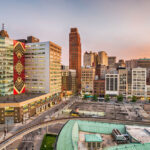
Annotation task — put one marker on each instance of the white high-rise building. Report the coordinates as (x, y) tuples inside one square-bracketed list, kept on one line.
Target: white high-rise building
[(112, 84), (139, 82), (43, 68)]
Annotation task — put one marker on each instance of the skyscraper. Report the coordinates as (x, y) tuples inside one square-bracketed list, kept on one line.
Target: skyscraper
[(102, 58), (12, 76), (75, 54), (139, 82), (88, 59), (111, 61), (43, 68)]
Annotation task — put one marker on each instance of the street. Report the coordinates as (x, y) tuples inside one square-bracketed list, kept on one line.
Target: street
[(27, 141)]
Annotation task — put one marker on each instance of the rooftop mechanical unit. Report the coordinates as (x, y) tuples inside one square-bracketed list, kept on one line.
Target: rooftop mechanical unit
[(119, 138)]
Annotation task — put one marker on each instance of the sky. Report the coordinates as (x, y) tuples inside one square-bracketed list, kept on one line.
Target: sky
[(119, 27)]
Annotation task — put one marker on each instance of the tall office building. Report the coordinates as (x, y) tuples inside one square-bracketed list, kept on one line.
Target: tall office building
[(139, 82), (121, 63), (100, 71), (143, 63), (112, 84), (89, 59), (102, 58), (88, 75), (99, 88), (30, 39), (68, 80), (43, 68), (12, 77), (131, 63), (129, 81), (72, 81), (123, 84), (75, 54), (111, 61)]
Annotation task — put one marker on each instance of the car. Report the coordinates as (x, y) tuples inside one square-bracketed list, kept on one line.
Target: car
[(101, 98), (95, 116)]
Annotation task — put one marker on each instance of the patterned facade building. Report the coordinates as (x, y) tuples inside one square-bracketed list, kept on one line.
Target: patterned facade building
[(19, 67), (75, 54), (12, 74)]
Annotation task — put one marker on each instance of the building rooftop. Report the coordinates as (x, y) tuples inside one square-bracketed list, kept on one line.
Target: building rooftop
[(4, 33), (69, 135), (143, 135), (18, 98), (70, 138), (93, 138), (144, 59), (145, 146)]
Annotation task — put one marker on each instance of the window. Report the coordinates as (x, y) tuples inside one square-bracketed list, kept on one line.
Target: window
[(89, 145)]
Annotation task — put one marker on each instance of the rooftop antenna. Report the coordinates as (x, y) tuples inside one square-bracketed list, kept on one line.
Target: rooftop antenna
[(3, 26)]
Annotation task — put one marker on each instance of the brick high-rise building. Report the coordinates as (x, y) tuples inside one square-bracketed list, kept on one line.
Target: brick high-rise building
[(75, 54), (99, 88)]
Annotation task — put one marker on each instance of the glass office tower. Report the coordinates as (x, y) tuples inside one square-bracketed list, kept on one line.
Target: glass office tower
[(6, 66), (12, 76)]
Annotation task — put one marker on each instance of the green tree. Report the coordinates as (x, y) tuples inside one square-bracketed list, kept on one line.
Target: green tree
[(107, 98), (95, 98), (84, 97), (120, 98), (134, 98), (129, 97)]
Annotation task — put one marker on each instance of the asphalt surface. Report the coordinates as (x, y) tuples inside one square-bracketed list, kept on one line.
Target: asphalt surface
[(49, 112), (33, 140)]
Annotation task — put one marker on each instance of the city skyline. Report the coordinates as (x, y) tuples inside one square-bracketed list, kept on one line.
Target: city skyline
[(119, 28), (74, 74)]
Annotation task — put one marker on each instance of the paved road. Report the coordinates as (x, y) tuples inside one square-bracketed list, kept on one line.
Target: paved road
[(34, 139), (49, 112), (29, 145)]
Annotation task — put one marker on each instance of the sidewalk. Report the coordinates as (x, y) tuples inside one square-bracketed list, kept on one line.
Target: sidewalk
[(16, 126)]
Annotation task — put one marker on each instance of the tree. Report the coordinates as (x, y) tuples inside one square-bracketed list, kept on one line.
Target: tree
[(95, 97), (134, 98), (85, 97), (107, 98), (120, 98), (129, 97)]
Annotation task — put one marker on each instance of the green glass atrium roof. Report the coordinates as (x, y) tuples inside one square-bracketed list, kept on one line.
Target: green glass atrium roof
[(93, 138)]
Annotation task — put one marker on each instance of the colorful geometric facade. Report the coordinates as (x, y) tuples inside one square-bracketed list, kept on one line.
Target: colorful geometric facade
[(19, 67)]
